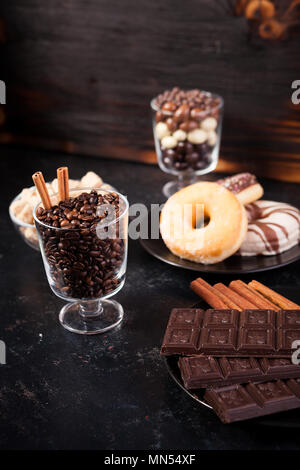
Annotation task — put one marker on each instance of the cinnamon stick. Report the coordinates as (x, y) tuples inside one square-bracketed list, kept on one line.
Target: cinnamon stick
[(254, 297), (41, 187), (63, 183), (212, 299), (212, 296), (273, 296), (240, 301)]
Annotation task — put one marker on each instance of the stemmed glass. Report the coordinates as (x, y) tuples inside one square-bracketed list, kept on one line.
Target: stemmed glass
[(189, 146), (86, 266)]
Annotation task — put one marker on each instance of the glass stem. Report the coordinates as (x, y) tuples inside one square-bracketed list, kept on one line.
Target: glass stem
[(90, 309), (185, 179)]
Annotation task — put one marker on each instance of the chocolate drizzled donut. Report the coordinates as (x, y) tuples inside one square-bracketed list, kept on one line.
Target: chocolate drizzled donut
[(273, 227)]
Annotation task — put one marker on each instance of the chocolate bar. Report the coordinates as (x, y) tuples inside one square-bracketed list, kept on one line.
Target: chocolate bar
[(208, 371), (241, 402), (232, 333)]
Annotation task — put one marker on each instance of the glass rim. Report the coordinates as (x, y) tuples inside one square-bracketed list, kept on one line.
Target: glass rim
[(114, 221), (208, 93), (12, 215)]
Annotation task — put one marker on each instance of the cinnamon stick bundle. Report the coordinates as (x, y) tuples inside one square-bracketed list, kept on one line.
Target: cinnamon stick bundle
[(252, 296), (240, 301), (273, 296), (212, 296)]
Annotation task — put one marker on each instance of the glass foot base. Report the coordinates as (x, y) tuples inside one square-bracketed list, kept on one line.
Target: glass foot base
[(172, 187), (77, 318)]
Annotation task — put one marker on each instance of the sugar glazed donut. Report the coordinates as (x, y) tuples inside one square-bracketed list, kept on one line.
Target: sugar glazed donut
[(211, 243), (273, 227)]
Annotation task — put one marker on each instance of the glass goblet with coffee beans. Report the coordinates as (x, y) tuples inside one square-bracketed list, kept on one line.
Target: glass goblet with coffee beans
[(83, 242)]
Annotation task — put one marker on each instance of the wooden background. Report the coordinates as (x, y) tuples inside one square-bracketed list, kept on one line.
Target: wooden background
[(80, 75)]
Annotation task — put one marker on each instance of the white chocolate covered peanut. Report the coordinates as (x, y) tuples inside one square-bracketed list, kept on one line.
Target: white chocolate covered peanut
[(168, 142), (197, 136), (212, 138), (209, 124), (161, 130), (179, 135)]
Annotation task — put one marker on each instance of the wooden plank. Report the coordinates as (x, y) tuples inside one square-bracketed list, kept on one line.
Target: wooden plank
[(80, 76)]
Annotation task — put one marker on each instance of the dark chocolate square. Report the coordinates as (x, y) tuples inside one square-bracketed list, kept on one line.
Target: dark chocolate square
[(257, 319), (240, 367), (218, 339), (289, 319), (294, 386), (220, 318), (198, 370), (269, 393), (234, 396), (186, 317), (232, 403), (256, 340), (203, 365), (275, 365), (285, 339), (180, 340)]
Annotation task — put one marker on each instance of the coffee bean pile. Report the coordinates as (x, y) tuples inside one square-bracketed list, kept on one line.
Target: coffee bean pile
[(82, 266), (186, 125)]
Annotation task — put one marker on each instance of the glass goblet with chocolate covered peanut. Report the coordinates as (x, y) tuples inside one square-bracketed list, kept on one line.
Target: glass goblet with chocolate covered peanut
[(83, 241), (187, 132)]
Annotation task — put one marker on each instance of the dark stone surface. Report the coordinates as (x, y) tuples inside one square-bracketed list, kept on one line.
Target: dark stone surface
[(63, 391)]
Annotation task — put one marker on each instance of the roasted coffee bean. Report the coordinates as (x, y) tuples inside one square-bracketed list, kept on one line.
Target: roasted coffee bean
[(94, 253), (72, 235), (79, 261)]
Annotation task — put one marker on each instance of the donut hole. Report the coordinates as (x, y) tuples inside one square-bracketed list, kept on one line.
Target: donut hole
[(206, 220), (200, 218), (201, 223)]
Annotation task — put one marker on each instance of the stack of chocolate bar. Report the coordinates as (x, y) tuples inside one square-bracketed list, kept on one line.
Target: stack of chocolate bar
[(242, 358)]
